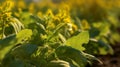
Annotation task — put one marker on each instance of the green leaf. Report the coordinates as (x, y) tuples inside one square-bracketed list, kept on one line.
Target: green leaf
[(91, 57), (58, 63), (16, 63), (63, 39), (24, 51), (38, 19), (17, 25), (78, 40), (105, 48), (56, 31), (9, 42), (98, 47), (66, 52)]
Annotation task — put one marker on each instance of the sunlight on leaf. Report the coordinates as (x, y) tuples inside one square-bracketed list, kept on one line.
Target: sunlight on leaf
[(78, 40), (9, 42)]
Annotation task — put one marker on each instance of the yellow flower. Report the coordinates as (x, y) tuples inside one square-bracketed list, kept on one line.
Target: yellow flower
[(40, 14), (85, 25), (8, 14), (21, 4), (68, 20), (32, 8), (50, 13), (8, 5)]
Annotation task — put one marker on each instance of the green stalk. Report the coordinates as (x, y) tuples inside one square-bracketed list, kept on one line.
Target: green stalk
[(3, 29)]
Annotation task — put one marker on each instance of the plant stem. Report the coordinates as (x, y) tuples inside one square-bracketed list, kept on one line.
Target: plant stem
[(3, 29)]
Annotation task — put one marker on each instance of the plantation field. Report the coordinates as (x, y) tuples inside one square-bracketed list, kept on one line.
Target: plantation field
[(59, 33)]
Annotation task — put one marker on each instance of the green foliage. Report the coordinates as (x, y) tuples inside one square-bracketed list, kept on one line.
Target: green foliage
[(24, 51), (78, 40), (9, 42), (58, 63), (63, 37), (98, 47), (71, 55)]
